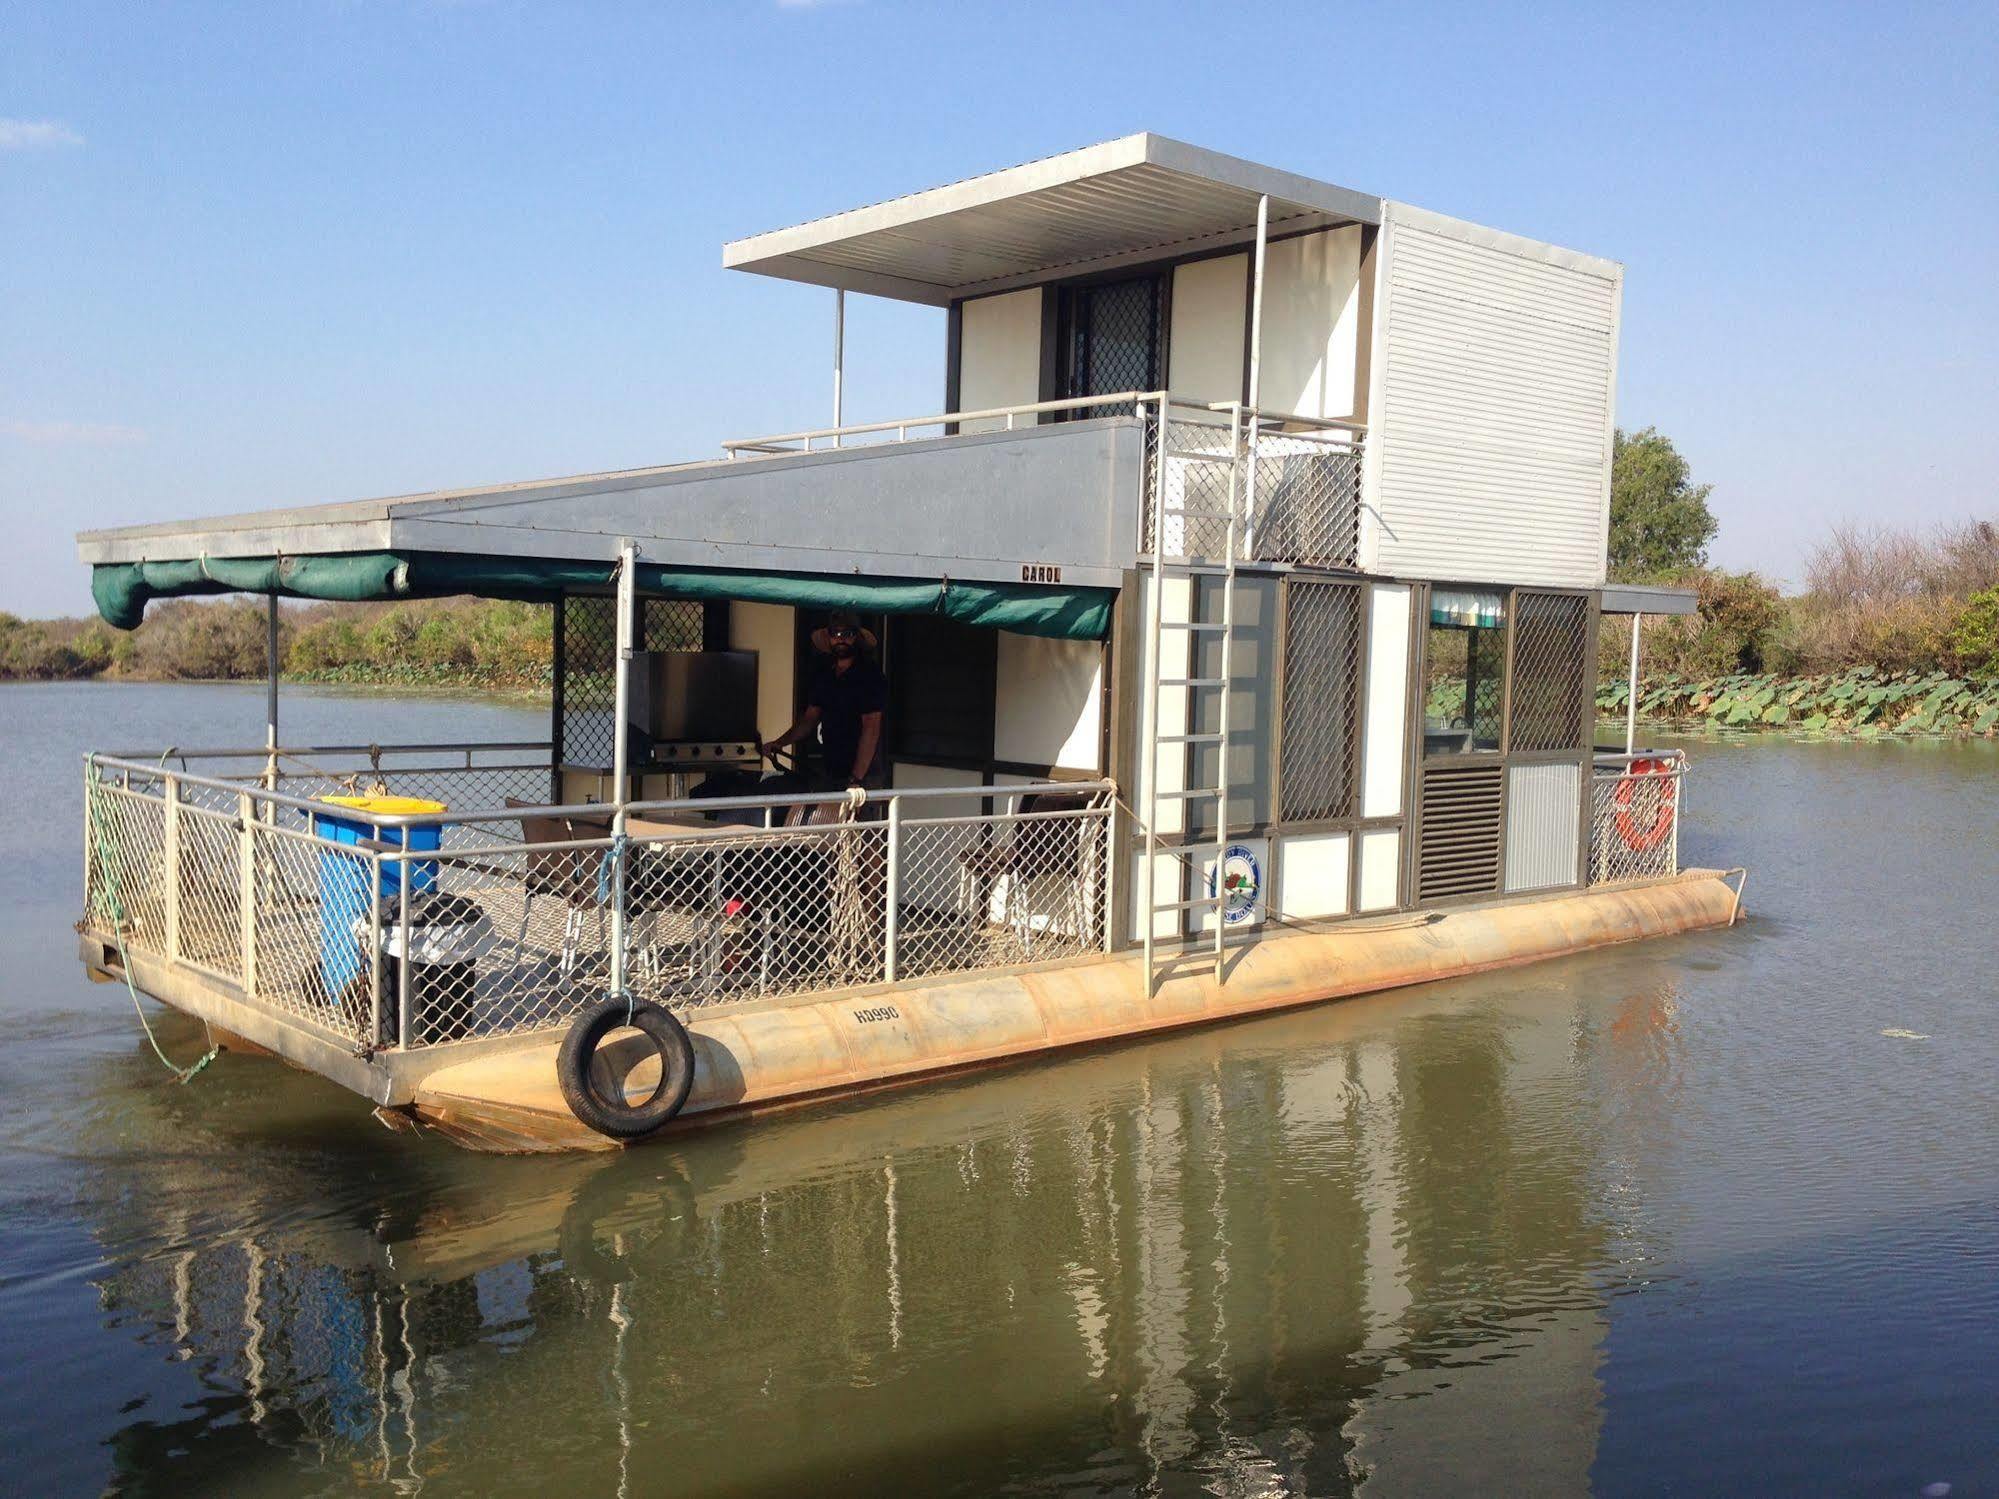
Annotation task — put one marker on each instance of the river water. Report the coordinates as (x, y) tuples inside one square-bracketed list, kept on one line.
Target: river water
[(1715, 1214)]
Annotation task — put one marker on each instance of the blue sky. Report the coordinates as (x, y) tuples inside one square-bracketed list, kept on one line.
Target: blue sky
[(327, 249)]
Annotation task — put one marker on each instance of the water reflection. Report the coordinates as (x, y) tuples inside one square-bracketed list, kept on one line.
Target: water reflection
[(1338, 1251)]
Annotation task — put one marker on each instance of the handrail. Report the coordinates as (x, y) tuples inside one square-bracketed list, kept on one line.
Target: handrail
[(801, 441), (264, 752), (599, 810)]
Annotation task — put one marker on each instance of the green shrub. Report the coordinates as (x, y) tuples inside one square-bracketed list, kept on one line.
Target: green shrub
[(1974, 634)]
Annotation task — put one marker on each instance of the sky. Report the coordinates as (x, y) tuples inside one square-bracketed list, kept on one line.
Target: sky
[(313, 250)]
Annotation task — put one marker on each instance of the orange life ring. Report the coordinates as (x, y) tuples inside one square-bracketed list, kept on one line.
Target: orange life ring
[(1658, 773)]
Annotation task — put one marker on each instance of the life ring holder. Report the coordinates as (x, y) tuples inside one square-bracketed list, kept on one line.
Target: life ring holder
[(1642, 840)]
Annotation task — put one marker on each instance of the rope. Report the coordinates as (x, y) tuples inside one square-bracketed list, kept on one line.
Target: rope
[(117, 909)]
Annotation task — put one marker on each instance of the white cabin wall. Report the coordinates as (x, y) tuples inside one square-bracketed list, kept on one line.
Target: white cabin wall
[(1311, 323), (1048, 707), (1493, 399), (999, 353), (1209, 321), (771, 631)]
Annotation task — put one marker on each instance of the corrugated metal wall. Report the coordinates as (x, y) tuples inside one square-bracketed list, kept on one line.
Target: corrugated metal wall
[(1494, 389), (1542, 832)]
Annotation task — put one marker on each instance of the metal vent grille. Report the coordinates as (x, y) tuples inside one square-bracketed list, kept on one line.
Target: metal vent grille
[(1552, 651), (589, 665), (1462, 811), (1322, 669)]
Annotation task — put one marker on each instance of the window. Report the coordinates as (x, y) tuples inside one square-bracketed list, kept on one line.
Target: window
[(1552, 653), (1464, 665), (1109, 335), (1319, 751)]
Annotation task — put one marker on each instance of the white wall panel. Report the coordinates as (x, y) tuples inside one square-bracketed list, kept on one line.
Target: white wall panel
[(1210, 315), (1380, 869), (999, 353), (1494, 389), (768, 629), (1311, 303), (1049, 708), (1311, 875), (1385, 738)]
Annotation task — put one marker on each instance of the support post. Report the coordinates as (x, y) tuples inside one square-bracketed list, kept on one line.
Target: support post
[(1631, 690), (839, 355), (404, 871), (374, 1039), (1256, 308), (271, 666), (892, 891), (172, 857), (246, 890), (621, 755)]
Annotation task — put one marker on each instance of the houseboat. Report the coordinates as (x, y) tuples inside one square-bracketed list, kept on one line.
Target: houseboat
[(1226, 643)]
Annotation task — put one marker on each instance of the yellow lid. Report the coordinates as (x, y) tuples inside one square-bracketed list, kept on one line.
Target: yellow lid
[(387, 806)]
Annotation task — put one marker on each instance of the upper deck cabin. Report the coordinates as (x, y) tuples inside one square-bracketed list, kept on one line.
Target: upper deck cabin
[(1428, 398)]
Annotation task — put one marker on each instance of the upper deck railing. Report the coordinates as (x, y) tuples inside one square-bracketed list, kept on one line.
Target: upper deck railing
[(1302, 505)]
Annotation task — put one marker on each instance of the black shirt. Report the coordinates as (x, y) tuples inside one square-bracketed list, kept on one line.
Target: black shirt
[(842, 697)]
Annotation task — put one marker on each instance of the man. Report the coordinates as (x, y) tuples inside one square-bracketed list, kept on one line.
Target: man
[(845, 703)]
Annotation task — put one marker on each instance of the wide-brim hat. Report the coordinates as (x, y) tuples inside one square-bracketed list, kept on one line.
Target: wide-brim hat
[(822, 638)]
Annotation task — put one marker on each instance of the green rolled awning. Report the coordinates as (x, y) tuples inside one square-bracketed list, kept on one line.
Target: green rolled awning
[(123, 589)]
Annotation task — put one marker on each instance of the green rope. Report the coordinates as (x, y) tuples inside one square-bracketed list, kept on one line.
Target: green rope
[(117, 912)]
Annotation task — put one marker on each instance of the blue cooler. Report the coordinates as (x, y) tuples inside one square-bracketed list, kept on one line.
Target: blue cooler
[(344, 896)]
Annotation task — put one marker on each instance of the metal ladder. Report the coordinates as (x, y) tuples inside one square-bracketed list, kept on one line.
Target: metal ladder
[(1190, 632)]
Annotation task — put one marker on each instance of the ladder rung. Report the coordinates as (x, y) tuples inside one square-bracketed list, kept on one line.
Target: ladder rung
[(1200, 455), (1190, 739), (1190, 624), (1192, 514), (1188, 905), (1181, 796), (1190, 682), (1210, 847)]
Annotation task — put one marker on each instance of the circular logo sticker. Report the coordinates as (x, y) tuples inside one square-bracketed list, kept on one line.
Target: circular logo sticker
[(1242, 883)]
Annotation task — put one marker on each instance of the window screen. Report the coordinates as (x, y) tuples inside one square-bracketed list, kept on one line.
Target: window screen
[(1320, 750), (1552, 653)]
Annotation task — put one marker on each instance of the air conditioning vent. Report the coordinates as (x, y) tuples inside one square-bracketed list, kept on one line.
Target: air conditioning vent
[(1463, 808)]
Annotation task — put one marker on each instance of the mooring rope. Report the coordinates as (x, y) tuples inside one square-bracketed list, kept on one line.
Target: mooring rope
[(117, 912)]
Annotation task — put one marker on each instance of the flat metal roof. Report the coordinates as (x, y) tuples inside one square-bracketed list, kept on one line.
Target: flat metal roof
[(1137, 198), (1647, 598)]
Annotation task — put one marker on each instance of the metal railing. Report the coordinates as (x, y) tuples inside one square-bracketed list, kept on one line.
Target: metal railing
[(520, 916), (1635, 806), (1303, 504)]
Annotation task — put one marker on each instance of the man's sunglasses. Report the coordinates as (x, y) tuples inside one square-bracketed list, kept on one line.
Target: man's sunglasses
[(840, 632)]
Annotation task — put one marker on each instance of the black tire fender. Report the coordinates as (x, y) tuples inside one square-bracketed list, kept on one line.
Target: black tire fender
[(616, 1117)]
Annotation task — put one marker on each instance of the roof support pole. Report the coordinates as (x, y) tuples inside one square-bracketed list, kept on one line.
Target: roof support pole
[(839, 353), (271, 665), (1256, 305), (1631, 689), (621, 753)]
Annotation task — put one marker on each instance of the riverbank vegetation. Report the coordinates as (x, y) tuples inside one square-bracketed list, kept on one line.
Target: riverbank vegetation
[(494, 644), (1893, 631)]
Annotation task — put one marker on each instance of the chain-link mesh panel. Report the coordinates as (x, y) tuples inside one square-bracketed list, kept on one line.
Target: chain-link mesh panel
[(1111, 340), (1634, 822), (590, 665), (311, 929), (1306, 506), (126, 881), (1320, 749), (1552, 654), (589, 679), (741, 913), (984, 893), (211, 891)]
